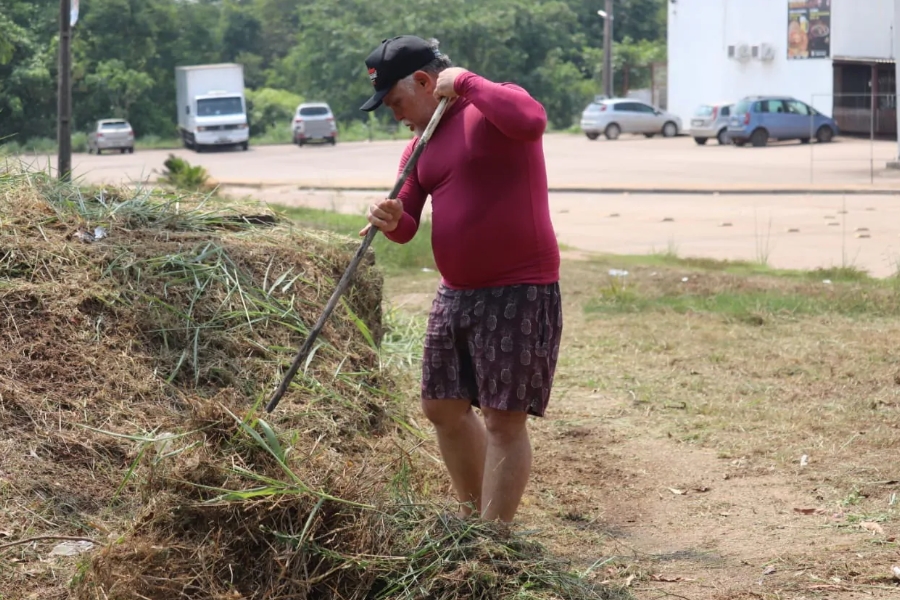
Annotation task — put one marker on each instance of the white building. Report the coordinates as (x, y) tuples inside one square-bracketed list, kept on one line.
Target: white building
[(837, 55)]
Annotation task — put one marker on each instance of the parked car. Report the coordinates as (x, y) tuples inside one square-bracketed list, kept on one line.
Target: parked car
[(757, 119), (627, 115), (710, 121), (111, 134), (314, 122)]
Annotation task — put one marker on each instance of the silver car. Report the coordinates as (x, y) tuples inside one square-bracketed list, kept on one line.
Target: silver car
[(111, 134), (711, 121), (627, 115), (314, 121)]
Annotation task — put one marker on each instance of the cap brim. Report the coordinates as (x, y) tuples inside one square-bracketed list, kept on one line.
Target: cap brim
[(375, 101)]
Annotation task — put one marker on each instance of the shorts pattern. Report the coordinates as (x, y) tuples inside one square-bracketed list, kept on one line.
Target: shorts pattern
[(496, 346)]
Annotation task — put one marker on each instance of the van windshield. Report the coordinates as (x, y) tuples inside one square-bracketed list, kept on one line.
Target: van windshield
[(214, 107)]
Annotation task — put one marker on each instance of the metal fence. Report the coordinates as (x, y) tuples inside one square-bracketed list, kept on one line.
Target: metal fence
[(868, 125)]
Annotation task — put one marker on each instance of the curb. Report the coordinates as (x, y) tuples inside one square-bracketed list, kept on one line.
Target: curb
[(786, 190)]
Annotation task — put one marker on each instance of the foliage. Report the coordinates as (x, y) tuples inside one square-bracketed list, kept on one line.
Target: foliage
[(125, 53), (270, 108), (181, 174)]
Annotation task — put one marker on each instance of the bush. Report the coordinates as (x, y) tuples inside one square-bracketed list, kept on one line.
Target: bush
[(181, 174), (270, 108)]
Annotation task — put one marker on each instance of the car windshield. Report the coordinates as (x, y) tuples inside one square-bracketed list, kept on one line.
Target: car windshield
[(704, 111), (313, 111), (115, 125), (213, 107), (743, 106)]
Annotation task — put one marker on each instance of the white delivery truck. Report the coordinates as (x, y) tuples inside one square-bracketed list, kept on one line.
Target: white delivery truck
[(212, 110)]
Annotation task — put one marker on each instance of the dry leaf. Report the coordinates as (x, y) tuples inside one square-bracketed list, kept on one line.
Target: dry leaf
[(769, 570), (701, 489), (678, 492), (873, 527), (896, 571), (629, 580), (809, 511)]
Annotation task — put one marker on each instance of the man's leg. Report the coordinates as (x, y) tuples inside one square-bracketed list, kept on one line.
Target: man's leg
[(462, 441), (507, 463)]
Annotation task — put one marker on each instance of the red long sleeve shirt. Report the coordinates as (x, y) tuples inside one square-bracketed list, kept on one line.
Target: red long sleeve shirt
[(484, 169)]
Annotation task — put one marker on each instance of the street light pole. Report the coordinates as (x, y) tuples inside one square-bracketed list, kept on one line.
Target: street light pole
[(607, 48), (64, 100)]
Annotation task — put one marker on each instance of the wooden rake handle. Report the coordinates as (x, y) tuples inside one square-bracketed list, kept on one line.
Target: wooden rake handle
[(354, 263)]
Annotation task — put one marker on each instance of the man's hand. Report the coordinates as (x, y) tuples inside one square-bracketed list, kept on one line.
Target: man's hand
[(444, 87), (385, 216)]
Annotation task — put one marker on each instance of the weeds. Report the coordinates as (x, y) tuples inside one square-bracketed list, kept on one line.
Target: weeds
[(182, 175)]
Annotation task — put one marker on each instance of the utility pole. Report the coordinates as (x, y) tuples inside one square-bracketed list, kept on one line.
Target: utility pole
[(64, 101), (607, 48)]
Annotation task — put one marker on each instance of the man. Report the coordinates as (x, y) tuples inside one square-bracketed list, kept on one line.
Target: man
[(495, 324)]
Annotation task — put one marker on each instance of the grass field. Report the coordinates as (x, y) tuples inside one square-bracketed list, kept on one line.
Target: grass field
[(717, 430)]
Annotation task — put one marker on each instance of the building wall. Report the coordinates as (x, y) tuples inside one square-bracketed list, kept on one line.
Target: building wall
[(863, 28), (700, 32)]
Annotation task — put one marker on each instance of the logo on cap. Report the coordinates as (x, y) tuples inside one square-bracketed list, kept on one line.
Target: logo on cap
[(373, 75)]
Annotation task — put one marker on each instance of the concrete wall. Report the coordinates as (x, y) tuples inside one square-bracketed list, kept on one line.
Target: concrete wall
[(700, 32)]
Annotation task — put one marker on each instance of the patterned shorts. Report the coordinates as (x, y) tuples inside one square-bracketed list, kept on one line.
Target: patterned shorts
[(495, 346)]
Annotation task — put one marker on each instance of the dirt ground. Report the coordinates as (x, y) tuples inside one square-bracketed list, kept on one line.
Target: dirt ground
[(672, 456)]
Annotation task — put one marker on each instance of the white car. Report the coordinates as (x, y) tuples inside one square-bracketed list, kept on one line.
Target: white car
[(314, 122), (626, 115), (111, 134)]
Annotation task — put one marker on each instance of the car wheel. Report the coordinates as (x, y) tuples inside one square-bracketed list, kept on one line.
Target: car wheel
[(825, 134), (700, 141), (332, 140), (90, 150), (613, 131), (131, 150), (759, 138), (244, 146), (592, 135), (99, 151), (670, 129), (722, 138)]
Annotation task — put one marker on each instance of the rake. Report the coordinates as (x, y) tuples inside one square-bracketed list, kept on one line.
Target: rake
[(351, 268)]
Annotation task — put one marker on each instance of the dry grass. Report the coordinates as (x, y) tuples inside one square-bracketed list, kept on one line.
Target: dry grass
[(132, 371), (763, 367)]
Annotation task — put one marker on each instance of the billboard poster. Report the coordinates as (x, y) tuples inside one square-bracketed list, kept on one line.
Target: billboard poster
[(809, 29)]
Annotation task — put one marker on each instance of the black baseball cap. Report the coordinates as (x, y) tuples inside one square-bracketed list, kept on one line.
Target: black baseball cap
[(394, 59)]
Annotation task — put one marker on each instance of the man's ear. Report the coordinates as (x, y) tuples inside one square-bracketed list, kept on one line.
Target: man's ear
[(422, 79)]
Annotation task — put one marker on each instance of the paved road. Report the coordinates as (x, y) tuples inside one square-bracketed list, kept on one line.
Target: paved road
[(759, 223), (828, 228), (634, 163)]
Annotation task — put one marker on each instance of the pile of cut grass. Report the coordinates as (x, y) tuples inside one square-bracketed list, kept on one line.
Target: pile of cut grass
[(133, 368)]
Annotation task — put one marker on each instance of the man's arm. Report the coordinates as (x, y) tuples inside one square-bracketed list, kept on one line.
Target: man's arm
[(413, 197), (507, 106)]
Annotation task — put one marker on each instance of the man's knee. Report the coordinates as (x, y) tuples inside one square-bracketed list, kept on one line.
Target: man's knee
[(504, 426), (446, 413)]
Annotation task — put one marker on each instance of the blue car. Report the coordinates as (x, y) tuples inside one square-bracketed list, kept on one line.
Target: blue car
[(757, 119)]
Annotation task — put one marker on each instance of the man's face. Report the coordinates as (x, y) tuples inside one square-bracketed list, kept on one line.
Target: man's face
[(413, 105)]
